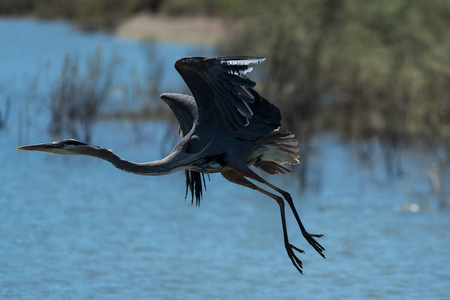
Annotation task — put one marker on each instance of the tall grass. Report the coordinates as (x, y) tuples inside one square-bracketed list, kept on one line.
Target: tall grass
[(77, 98)]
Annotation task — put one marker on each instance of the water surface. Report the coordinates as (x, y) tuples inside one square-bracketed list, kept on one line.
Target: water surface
[(77, 228)]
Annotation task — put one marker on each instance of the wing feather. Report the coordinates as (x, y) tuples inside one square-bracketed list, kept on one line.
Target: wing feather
[(225, 97), (184, 108), (235, 109), (219, 85)]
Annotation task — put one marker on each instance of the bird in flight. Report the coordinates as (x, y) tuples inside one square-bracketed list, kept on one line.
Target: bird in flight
[(227, 127)]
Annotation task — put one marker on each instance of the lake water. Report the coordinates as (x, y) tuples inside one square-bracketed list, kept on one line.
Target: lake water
[(77, 228)]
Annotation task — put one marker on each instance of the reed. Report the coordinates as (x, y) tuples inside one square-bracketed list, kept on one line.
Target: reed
[(78, 96)]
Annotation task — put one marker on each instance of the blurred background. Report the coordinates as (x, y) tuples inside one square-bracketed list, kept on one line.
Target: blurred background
[(364, 85)]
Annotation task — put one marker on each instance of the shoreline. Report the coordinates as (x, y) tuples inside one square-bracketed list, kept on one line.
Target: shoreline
[(146, 26)]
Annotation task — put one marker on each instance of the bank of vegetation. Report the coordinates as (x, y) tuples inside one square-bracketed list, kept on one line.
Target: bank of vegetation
[(105, 14), (380, 68), (370, 71)]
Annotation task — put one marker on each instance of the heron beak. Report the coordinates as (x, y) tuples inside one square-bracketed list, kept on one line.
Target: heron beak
[(47, 147)]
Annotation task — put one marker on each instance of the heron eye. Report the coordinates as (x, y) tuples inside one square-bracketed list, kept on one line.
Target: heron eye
[(60, 145)]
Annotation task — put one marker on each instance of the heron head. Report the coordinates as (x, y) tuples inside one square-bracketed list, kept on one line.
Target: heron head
[(68, 147)]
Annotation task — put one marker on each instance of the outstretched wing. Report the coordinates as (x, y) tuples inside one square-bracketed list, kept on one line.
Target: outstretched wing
[(184, 109), (225, 96)]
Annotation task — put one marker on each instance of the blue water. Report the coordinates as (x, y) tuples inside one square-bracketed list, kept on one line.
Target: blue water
[(77, 228)]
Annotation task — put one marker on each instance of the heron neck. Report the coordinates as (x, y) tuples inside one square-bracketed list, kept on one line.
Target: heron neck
[(159, 167)]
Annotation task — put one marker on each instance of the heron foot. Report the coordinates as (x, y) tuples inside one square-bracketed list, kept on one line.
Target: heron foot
[(295, 260), (310, 238), (316, 235)]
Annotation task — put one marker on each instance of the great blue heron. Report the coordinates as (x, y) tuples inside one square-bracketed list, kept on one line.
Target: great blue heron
[(227, 127)]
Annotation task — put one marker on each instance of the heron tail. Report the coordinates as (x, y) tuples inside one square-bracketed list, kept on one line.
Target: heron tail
[(276, 149)]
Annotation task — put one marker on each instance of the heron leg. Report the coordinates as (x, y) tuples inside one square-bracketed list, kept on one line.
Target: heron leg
[(241, 180), (247, 172)]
